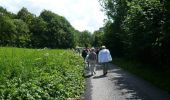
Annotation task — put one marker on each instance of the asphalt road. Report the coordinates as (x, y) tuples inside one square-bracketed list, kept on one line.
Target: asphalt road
[(120, 85)]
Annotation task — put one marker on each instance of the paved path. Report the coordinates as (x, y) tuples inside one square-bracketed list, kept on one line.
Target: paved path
[(120, 85)]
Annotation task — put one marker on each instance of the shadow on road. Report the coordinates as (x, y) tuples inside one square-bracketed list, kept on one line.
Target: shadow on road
[(125, 85), (134, 88)]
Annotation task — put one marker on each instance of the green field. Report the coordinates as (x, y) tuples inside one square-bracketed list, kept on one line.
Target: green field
[(40, 74)]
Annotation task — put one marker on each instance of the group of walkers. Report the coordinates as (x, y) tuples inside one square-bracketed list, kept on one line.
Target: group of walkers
[(93, 56)]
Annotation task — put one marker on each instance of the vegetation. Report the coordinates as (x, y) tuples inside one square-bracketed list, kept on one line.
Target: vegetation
[(98, 38), (138, 29), (51, 30), (159, 78), (85, 38), (135, 29), (40, 74)]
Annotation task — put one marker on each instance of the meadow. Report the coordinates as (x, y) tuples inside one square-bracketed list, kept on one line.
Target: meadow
[(40, 74)]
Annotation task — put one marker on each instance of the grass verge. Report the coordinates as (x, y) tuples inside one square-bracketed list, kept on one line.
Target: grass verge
[(159, 78)]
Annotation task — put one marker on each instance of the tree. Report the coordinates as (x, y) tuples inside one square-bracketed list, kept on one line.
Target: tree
[(26, 30), (25, 15), (166, 29), (4, 12), (76, 38), (141, 27), (114, 35), (143, 23), (22, 34), (98, 38), (7, 28), (85, 38), (39, 37), (60, 32)]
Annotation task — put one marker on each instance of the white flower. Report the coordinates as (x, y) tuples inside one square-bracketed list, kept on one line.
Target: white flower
[(69, 99)]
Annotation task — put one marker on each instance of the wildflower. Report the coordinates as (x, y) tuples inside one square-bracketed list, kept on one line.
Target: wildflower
[(69, 98)]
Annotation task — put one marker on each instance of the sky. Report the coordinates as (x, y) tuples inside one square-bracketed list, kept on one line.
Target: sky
[(82, 14)]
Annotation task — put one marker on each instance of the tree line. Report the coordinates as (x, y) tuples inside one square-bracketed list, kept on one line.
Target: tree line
[(50, 30), (138, 29)]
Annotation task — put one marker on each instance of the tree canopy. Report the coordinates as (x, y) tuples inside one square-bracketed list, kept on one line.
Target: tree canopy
[(138, 29), (24, 29)]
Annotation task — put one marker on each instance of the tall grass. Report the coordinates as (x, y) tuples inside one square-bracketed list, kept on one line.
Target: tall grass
[(40, 74)]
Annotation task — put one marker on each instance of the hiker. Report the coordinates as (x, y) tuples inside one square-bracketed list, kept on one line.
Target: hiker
[(92, 59), (97, 52), (104, 57), (85, 52)]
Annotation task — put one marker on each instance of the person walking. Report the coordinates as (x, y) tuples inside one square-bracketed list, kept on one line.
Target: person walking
[(92, 59), (104, 57), (84, 54)]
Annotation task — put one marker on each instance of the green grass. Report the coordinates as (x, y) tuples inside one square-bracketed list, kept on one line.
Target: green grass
[(159, 78), (40, 74)]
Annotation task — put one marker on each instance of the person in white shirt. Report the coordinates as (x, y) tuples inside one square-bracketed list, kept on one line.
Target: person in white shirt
[(104, 57)]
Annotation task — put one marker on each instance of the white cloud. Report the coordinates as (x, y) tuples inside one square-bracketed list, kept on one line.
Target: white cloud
[(82, 14)]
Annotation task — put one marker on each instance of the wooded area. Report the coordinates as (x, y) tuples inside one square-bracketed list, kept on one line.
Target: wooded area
[(138, 29), (50, 30)]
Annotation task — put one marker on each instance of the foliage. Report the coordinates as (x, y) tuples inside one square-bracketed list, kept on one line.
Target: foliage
[(26, 30), (6, 13), (39, 35), (7, 27), (112, 40), (40, 74), (25, 15), (59, 30), (85, 38), (98, 38), (138, 29), (143, 25), (114, 34), (22, 33)]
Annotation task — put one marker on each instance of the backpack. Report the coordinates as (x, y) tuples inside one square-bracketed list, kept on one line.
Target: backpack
[(92, 56)]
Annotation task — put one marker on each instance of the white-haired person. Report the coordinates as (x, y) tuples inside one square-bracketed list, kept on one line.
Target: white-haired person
[(104, 57)]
